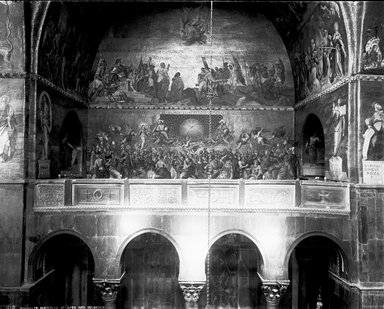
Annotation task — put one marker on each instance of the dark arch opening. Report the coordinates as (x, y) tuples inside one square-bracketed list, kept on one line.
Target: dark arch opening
[(313, 147), (150, 267), (62, 271), (233, 274), (316, 267), (71, 146)]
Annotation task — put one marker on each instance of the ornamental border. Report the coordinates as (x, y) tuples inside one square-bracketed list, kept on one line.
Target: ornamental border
[(337, 85)]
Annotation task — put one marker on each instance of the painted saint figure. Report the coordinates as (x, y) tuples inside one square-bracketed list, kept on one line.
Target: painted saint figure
[(373, 146), (177, 88), (143, 134), (7, 129), (339, 111), (162, 82), (339, 52), (45, 121), (97, 85)]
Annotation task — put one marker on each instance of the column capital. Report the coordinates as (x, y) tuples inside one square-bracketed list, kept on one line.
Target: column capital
[(108, 289), (273, 291), (191, 291)]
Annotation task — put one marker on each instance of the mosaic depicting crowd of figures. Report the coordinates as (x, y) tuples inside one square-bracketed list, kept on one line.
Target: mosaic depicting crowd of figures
[(157, 63), (147, 84), (181, 147)]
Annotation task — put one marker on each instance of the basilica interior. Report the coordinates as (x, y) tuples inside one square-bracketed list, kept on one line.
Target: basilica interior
[(178, 154)]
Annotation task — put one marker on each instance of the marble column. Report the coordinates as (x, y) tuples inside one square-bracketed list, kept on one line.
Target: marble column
[(191, 292), (273, 293), (108, 290)]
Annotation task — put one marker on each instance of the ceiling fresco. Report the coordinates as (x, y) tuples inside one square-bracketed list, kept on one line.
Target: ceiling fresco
[(76, 37)]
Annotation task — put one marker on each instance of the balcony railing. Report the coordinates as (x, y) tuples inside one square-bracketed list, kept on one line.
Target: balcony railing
[(195, 195)]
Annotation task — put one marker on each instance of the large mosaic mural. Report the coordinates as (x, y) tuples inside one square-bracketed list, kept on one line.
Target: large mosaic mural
[(167, 57), (319, 52), (11, 128), (11, 36), (191, 144)]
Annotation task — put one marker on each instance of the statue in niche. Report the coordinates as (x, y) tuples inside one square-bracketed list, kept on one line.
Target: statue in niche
[(374, 135), (7, 130), (311, 147), (71, 146), (194, 26), (45, 121)]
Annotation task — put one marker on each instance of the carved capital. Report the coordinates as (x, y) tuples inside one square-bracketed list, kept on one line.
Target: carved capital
[(108, 290), (273, 293), (191, 291)]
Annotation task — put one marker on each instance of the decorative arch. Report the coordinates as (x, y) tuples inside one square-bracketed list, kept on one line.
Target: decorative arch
[(241, 232), (339, 246), (132, 236), (34, 255), (349, 14), (38, 23)]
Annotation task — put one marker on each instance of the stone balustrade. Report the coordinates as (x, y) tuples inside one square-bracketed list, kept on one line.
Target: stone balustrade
[(193, 195)]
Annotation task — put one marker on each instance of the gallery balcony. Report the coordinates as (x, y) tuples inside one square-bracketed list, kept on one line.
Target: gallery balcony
[(281, 196)]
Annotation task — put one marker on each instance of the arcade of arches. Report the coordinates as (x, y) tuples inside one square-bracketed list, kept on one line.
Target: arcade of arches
[(192, 154)]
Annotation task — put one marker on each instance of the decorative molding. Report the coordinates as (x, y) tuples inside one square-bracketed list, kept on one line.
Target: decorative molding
[(195, 109), (50, 195), (321, 196), (339, 84), (299, 210), (149, 195), (97, 194), (272, 196), (327, 90), (40, 79), (220, 196), (369, 77), (191, 290)]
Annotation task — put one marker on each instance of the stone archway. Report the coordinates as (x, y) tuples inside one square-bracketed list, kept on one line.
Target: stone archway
[(62, 270), (234, 264), (317, 265), (150, 267)]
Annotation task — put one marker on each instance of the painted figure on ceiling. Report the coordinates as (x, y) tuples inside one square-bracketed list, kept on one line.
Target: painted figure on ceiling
[(163, 82), (177, 88), (7, 129), (193, 28), (339, 52), (373, 146), (97, 85), (143, 135)]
